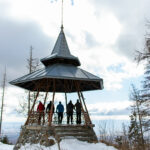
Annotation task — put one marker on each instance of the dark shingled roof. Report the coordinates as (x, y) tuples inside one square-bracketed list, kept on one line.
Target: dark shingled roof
[(61, 66), (61, 53)]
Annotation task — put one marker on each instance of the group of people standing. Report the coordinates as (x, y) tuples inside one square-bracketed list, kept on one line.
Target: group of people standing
[(70, 108), (60, 111)]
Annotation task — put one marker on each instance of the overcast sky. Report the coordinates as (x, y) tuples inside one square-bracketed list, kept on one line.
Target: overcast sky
[(103, 34)]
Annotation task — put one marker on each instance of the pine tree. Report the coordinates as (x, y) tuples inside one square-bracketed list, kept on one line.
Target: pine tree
[(5, 140), (145, 96), (136, 134), (145, 92)]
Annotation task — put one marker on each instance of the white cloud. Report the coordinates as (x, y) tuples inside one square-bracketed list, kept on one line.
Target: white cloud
[(14, 96), (112, 117), (101, 58), (79, 19), (104, 107), (98, 60)]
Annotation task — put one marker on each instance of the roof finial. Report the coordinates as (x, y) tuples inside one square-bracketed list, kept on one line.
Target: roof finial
[(62, 15)]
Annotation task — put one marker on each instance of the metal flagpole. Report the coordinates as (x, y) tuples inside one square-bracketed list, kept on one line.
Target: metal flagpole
[(62, 15)]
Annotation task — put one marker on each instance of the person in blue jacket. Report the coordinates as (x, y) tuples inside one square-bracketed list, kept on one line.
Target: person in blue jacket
[(60, 110)]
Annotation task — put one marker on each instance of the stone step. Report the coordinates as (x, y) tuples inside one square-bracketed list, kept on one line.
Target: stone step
[(73, 126), (75, 131), (72, 129), (81, 132), (73, 134), (81, 138)]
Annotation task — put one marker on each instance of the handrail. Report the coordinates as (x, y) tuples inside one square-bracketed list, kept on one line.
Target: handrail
[(41, 118)]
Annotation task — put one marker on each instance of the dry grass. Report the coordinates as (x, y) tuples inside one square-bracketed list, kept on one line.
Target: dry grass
[(119, 140)]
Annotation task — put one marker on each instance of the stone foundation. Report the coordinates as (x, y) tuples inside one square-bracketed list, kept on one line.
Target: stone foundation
[(49, 135), (34, 135)]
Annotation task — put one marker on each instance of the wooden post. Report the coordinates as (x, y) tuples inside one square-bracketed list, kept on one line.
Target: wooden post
[(65, 94), (51, 110), (44, 105), (86, 122), (86, 108), (66, 100), (77, 87), (45, 98), (32, 106), (46, 93), (29, 95)]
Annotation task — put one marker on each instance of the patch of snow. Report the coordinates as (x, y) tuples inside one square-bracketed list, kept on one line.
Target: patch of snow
[(66, 144), (6, 146), (74, 144), (52, 138), (34, 147)]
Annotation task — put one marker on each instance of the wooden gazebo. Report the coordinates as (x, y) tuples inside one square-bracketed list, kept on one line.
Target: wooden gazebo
[(61, 73)]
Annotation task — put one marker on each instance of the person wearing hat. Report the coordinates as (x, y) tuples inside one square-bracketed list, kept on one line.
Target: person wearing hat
[(78, 111)]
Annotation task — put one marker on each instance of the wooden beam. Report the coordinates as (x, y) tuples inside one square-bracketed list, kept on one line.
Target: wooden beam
[(85, 107), (51, 110), (37, 87), (86, 114), (66, 100), (32, 107), (48, 86), (45, 98), (65, 93), (77, 87)]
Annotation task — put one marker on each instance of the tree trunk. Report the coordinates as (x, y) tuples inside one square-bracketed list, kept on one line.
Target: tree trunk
[(3, 86)]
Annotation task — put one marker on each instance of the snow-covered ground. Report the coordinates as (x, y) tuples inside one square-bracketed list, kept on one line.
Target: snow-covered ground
[(6, 147), (68, 144)]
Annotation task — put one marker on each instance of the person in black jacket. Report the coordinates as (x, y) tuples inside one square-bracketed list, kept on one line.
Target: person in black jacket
[(78, 111), (70, 107), (48, 108)]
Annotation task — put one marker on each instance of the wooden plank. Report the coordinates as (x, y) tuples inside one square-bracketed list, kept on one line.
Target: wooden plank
[(86, 108), (65, 94), (32, 106), (77, 87), (51, 111)]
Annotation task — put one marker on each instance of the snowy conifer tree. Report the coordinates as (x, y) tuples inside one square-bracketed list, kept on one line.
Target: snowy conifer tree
[(136, 134)]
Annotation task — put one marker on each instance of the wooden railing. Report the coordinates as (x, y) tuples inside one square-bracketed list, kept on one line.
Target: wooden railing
[(42, 118)]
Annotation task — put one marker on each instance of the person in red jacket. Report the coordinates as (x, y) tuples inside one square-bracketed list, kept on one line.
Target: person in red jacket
[(40, 110)]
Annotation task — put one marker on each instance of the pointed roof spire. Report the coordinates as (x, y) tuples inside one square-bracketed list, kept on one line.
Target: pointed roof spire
[(61, 52), (62, 27), (61, 47)]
